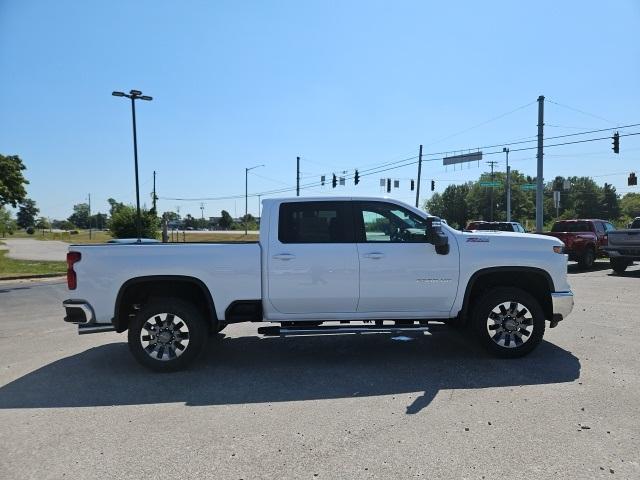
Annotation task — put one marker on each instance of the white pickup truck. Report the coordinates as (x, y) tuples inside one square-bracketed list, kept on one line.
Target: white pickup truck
[(322, 266)]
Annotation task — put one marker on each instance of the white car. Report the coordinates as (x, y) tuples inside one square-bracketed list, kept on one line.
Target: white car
[(323, 265)]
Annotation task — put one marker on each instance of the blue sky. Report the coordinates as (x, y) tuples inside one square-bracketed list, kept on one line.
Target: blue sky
[(344, 85)]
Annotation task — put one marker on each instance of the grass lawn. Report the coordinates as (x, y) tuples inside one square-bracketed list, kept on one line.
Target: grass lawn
[(18, 268), (213, 237)]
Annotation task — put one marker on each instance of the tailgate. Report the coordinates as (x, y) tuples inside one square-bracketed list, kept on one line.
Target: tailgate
[(624, 238)]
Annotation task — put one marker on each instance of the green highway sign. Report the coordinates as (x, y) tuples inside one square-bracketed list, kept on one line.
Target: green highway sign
[(528, 186), (490, 184)]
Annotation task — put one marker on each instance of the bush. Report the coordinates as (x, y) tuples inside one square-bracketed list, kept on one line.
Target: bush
[(30, 230), (73, 232), (123, 223)]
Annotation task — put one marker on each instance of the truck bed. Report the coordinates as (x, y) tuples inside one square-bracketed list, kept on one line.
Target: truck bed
[(230, 270)]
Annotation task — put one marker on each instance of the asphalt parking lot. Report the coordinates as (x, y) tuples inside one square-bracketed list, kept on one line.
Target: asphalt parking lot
[(324, 407)]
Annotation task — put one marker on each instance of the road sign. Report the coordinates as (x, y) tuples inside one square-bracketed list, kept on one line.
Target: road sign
[(528, 186), (467, 157), (490, 184)]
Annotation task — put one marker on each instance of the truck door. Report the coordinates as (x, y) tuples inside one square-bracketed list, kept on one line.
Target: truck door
[(399, 270), (312, 259)]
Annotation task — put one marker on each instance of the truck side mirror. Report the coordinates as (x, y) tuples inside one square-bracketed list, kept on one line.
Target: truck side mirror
[(436, 236)]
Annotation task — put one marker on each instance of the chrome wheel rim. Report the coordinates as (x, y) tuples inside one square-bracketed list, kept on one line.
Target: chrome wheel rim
[(510, 324), (164, 336)]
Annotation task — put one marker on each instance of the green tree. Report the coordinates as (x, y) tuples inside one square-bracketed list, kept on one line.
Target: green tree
[(123, 223), (42, 223), (171, 216), (610, 203), (7, 223), (451, 205), (226, 221), (434, 205), (630, 205), (12, 181), (114, 206), (26, 216), (480, 197), (62, 225), (98, 221), (80, 216), (584, 197)]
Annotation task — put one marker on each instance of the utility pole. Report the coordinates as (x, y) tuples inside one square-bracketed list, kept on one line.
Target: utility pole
[(297, 176), (246, 193), (492, 163), (539, 177), (419, 173), (154, 193), (89, 216), (202, 211), (259, 206), (506, 150)]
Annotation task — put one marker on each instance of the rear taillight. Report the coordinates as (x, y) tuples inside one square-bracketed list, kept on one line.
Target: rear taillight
[(72, 279)]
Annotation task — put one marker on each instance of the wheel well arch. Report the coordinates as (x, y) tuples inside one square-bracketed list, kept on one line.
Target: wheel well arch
[(535, 281), (139, 290)]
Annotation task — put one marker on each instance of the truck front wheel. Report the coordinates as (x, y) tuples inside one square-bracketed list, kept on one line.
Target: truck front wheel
[(167, 334), (508, 322)]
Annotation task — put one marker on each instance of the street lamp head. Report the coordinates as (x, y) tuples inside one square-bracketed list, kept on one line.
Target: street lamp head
[(135, 93), (117, 94), (146, 97)]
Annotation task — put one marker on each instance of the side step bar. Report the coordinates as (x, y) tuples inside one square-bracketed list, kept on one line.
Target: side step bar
[(338, 329), (95, 328)]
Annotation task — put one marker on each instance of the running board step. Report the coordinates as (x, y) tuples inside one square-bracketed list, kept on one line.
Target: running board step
[(338, 329), (95, 328)]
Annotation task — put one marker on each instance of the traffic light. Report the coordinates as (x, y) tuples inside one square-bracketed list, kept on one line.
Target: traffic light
[(356, 178), (413, 185), (388, 185), (616, 142), (433, 185), (632, 180), (334, 182)]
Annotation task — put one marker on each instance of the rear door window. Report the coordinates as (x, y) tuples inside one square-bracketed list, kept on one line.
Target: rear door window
[(315, 222), (571, 227)]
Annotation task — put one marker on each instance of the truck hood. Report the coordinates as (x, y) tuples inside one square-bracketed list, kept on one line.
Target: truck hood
[(512, 240)]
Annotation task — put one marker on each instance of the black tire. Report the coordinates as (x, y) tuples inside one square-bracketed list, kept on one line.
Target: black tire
[(184, 333), (588, 259), (529, 319), (619, 265)]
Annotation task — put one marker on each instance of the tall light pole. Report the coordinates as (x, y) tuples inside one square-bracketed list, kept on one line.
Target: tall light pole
[(246, 196), (506, 150), (135, 95)]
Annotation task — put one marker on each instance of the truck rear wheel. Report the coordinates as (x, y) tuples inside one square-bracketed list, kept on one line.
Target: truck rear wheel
[(619, 265), (167, 334), (508, 322)]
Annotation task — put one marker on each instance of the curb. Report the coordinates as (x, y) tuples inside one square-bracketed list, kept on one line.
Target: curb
[(27, 277)]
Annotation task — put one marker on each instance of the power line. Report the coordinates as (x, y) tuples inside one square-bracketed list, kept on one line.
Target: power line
[(581, 111), (404, 163)]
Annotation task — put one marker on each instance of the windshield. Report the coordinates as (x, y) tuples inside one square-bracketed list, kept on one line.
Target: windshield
[(503, 227), (636, 223), (571, 227)]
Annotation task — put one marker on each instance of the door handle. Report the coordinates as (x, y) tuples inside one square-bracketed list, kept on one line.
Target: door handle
[(284, 256), (374, 255)]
